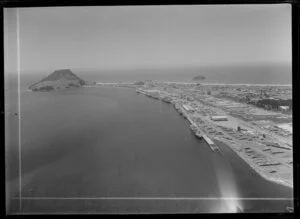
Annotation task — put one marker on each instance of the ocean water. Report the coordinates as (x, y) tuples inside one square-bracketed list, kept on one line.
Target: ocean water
[(276, 73), (82, 146), (230, 74)]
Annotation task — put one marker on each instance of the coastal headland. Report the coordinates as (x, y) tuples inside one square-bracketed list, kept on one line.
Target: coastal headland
[(59, 80)]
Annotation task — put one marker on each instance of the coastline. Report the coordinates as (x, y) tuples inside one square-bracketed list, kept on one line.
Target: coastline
[(256, 169), (222, 84), (239, 153)]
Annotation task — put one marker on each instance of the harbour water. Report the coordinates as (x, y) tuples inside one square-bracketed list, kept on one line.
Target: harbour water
[(110, 150)]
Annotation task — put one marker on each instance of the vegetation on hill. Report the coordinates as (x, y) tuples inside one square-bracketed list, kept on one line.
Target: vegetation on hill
[(274, 104), (45, 88)]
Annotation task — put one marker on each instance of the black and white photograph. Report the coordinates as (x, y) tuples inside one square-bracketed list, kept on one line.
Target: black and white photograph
[(148, 109)]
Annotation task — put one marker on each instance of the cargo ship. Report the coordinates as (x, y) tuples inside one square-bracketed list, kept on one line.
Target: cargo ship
[(200, 135), (211, 144)]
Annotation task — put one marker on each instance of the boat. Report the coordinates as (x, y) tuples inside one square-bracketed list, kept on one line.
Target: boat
[(211, 144), (198, 135), (193, 128), (215, 148)]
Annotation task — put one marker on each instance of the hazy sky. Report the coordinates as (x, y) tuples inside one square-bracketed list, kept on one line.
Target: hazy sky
[(124, 37)]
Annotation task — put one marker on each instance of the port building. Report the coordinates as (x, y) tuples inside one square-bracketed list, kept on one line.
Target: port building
[(284, 108), (219, 118), (188, 108)]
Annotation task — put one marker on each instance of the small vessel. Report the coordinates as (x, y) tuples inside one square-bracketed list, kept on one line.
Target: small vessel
[(193, 128), (215, 148), (198, 135), (211, 144)]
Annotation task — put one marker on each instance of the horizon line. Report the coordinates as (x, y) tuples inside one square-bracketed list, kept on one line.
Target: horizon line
[(161, 67), (183, 82)]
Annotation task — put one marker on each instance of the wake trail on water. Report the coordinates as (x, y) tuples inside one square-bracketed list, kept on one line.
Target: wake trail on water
[(227, 186)]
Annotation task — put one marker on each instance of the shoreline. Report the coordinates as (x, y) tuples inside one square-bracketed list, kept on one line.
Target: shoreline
[(237, 152), (257, 170), (195, 82)]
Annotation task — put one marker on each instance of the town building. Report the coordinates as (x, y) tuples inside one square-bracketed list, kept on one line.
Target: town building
[(188, 108), (284, 108), (219, 118)]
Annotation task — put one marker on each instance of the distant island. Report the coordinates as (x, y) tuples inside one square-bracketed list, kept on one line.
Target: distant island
[(139, 83), (59, 80), (199, 78)]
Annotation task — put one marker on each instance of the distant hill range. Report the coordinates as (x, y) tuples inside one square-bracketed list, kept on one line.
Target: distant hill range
[(59, 80)]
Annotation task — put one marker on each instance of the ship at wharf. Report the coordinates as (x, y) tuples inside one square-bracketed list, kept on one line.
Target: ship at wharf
[(182, 111)]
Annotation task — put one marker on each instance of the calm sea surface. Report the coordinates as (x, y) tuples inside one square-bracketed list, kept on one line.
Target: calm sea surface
[(88, 143)]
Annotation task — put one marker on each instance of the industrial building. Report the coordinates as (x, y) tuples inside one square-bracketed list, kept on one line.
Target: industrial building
[(219, 118), (284, 108), (188, 108)]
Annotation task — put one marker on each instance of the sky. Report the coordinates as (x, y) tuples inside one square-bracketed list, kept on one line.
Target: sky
[(133, 37)]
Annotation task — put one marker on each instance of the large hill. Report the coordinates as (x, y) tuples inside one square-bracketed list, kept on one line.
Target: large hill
[(58, 80)]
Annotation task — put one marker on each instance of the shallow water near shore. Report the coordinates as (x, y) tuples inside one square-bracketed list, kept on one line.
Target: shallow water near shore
[(88, 143)]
